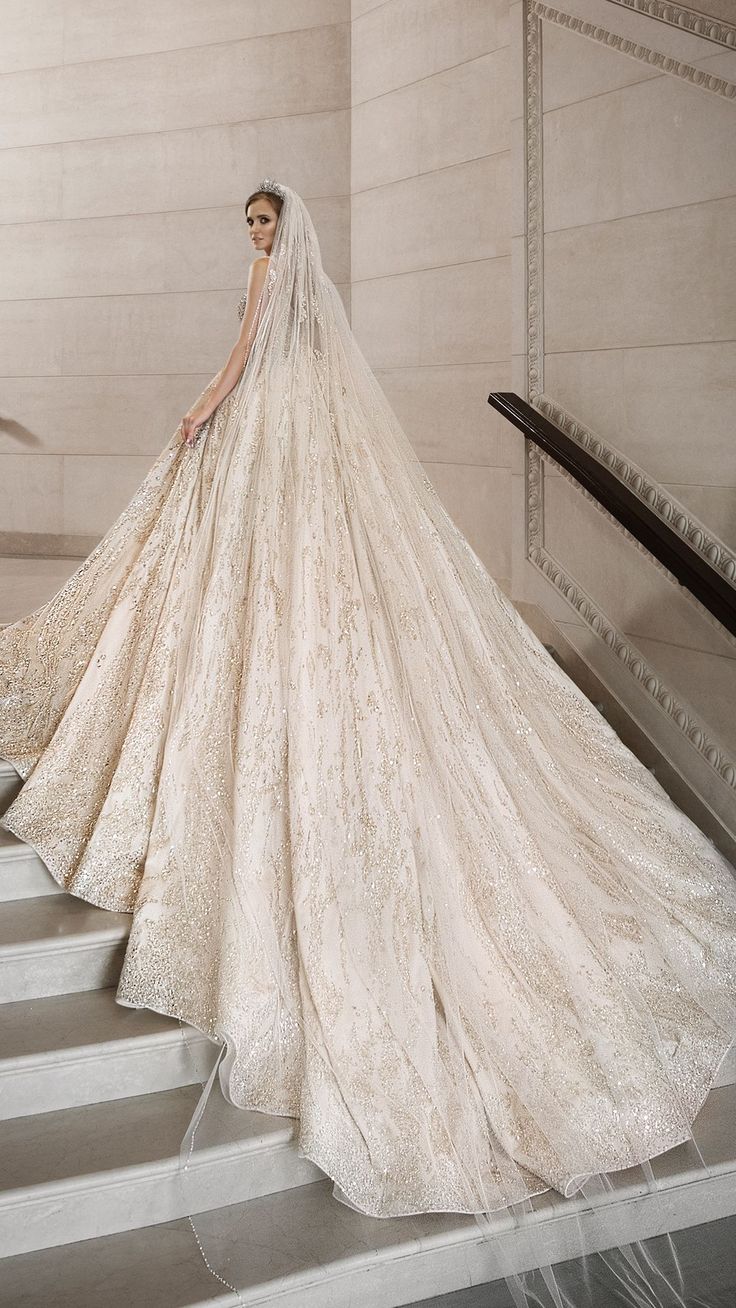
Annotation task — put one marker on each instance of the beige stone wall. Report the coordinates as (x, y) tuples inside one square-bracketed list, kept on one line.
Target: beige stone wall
[(131, 136), (133, 133), (633, 299), (430, 244), (640, 204)]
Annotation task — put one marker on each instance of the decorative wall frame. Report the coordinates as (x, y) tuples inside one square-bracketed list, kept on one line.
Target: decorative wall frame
[(698, 24), (656, 496)]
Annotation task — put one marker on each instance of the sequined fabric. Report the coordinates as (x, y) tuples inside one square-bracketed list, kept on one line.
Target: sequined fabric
[(368, 831)]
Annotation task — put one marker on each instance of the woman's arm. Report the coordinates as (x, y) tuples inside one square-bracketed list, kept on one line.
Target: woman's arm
[(222, 384)]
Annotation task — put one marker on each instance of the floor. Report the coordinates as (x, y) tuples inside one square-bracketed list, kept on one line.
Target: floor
[(707, 1256), (25, 583), (707, 1252)]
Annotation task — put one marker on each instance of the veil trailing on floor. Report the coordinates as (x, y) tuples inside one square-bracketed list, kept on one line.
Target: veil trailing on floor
[(306, 382), (375, 841)]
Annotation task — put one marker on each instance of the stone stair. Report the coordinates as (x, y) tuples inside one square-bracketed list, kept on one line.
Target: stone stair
[(94, 1100)]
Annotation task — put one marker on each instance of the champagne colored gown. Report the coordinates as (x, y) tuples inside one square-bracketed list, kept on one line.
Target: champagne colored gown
[(370, 834)]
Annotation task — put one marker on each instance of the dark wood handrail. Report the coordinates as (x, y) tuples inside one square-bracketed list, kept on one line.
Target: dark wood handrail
[(687, 564)]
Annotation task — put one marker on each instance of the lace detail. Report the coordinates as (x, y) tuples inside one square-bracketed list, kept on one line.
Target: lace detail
[(369, 831)]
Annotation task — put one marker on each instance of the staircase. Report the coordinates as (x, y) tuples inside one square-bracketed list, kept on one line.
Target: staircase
[(94, 1100)]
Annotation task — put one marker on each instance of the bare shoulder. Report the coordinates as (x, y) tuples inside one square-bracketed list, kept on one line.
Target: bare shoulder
[(257, 271)]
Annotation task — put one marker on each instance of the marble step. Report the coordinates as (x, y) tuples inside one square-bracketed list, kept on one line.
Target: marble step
[(22, 874), (10, 784), (110, 1167), (301, 1248), (68, 1050), (57, 944)]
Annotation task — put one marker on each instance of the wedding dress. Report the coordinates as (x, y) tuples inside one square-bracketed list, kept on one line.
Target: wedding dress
[(371, 836)]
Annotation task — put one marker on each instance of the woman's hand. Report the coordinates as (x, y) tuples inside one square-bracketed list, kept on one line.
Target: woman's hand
[(191, 421)]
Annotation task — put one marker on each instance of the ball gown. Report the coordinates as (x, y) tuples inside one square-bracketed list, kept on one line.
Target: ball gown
[(371, 836)]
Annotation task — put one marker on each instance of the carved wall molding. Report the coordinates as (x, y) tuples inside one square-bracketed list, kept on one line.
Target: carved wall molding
[(648, 490), (688, 20), (637, 545), (676, 67), (664, 504), (627, 653), (635, 663), (534, 208)]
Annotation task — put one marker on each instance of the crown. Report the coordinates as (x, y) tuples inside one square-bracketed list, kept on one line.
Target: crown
[(268, 184)]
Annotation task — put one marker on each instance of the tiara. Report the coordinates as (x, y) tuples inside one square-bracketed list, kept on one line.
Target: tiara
[(268, 184)]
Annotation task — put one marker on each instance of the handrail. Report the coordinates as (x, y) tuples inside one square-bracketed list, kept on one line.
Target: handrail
[(687, 564)]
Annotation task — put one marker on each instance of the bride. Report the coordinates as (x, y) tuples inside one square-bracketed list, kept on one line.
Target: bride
[(373, 839)]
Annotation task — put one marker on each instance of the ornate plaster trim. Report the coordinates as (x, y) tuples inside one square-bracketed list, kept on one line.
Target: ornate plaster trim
[(534, 208), (636, 664), (627, 654), (671, 510), (649, 491), (676, 67), (623, 531), (688, 20)]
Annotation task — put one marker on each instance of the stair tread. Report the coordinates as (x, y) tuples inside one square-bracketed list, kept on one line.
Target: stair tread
[(164, 1266), (81, 1144), (47, 919), (326, 1241), (119, 1134), (11, 845), (45, 1028), (23, 874), (153, 1265)]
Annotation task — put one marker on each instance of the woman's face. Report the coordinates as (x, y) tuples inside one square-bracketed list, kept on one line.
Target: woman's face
[(262, 219)]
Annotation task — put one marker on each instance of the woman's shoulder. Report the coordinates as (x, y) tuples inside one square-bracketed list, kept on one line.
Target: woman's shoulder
[(264, 259)]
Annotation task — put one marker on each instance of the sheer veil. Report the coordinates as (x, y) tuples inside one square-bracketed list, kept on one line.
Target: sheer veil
[(376, 844), (306, 381)]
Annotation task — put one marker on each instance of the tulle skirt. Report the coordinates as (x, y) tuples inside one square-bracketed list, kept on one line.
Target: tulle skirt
[(371, 836)]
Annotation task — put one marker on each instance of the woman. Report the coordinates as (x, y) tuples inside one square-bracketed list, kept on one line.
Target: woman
[(373, 839)]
